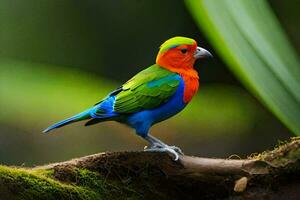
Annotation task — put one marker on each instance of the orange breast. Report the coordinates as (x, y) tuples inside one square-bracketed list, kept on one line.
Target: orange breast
[(191, 81), (191, 85), (183, 67)]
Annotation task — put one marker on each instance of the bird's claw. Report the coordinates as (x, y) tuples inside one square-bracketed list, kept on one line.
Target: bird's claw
[(172, 150), (177, 149)]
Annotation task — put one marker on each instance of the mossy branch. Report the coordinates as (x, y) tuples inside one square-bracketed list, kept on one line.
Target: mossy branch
[(141, 175)]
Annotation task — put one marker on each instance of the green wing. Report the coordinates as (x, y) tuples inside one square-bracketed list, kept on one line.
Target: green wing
[(146, 90)]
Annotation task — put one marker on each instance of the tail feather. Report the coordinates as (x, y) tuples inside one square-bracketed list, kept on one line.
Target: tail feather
[(81, 116)]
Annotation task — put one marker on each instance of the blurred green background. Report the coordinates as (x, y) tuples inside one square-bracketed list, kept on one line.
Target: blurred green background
[(59, 57)]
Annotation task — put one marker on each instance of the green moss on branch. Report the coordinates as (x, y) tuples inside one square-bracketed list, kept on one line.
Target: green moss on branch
[(28, 184)]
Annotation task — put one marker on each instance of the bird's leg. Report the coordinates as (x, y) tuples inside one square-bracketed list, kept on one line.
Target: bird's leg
[(157, 141), (159, 146)]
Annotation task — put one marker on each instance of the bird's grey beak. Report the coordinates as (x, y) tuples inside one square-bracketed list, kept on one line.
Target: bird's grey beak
[(202, 53)]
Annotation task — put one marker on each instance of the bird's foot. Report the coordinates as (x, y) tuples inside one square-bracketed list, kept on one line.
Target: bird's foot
[(172, 150), (177, 149)]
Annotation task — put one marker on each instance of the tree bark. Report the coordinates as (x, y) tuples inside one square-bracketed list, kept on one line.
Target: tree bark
[(143, 175)]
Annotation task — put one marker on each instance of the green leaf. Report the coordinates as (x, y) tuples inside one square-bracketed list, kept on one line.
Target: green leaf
[(248, 37)]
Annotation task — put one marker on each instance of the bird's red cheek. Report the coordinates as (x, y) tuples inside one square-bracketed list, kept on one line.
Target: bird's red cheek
[(176, 58)]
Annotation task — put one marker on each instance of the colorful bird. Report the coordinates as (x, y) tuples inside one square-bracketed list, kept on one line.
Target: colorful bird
[(151, 96)]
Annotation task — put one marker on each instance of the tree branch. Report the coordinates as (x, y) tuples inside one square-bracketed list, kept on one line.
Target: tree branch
[(145, 175)]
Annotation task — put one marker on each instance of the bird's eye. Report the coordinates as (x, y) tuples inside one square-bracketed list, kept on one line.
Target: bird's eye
[(183, 51)]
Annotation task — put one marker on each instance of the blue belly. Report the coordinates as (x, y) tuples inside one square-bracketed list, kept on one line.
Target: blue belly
[(143, 120)]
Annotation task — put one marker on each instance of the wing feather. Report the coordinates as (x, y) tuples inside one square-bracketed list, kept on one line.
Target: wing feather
[(147, 90)]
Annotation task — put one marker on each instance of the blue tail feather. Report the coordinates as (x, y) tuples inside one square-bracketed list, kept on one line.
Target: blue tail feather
[(81, 116)]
